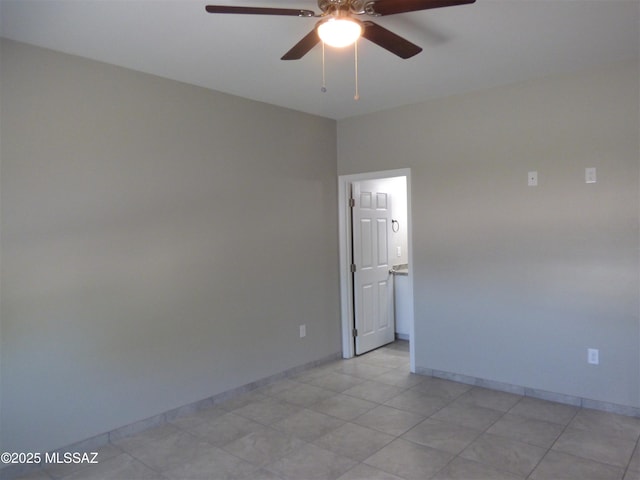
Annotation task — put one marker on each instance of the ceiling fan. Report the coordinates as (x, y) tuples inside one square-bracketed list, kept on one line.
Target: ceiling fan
[(338, 26)]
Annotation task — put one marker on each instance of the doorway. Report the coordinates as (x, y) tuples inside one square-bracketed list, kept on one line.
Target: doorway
[(400, 254)]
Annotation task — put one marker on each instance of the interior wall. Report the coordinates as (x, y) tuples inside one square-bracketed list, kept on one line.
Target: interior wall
[(161, 243), (513, 283)]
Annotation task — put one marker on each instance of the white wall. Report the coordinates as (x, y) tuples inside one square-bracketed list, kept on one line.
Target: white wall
[(514, 283), (161, 243)]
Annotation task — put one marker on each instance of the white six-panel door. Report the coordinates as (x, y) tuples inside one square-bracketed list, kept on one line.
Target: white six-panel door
[(372, 282)]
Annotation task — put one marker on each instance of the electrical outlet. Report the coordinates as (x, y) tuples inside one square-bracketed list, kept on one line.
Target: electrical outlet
[(532, 179), (593, 356), (303, 331)]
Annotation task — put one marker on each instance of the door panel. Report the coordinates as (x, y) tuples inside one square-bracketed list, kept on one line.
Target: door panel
[(383, 305), (366, 255), (372, 286), (383, 243), (366, 307)]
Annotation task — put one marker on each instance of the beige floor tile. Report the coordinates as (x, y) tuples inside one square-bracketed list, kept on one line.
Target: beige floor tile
[(461, 469), (305, 395), (37, 475), (445, 389), (311, 462), (416, 402), (614, 451), (225, 429), (398, 347), (337, 382), (374, 391), (632, 475), (278, 386), (120, 467), (354, 441), (468, 415), (389, 420), (267, 410), (261, 474), (483, 397), (365, 472), (607, 423), (308, 425), (386, 360), (357, 368), (409, 460), (634, 465), (544, 410), (167, 452), (400, 377), (444, 436), (263, 447), (315, 373), (215, 464), (559, 466), (503, 453), (344, 407), (528, 430)]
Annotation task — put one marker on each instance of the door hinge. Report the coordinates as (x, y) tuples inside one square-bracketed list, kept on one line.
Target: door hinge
[(353, 268), (352, 202), (355, 332)]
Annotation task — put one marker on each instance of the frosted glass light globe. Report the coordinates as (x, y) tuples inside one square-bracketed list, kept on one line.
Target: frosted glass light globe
[(339, 32)]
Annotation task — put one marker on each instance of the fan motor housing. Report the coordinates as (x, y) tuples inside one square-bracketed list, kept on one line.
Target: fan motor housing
[(357, 7)]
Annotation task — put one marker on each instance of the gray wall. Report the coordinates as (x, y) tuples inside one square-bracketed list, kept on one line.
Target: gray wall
[(161, 243), (514, 283)]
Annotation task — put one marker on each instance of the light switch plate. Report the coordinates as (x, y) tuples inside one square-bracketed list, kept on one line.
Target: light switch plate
[(532, 179), (590, 175)]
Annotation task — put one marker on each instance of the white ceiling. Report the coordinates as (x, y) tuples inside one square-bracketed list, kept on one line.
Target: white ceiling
[(466, 48)]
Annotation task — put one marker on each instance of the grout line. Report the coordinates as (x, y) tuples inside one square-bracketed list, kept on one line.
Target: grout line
[(628, 467), (554, 442)]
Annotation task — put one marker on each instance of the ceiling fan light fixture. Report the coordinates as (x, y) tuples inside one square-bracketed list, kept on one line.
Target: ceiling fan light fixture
[(339, 32)]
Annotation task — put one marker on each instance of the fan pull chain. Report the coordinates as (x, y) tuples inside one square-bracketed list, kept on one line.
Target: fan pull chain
[(323, 89), (357, 95)]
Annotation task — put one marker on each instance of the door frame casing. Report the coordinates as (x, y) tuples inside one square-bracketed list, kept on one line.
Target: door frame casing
[(344, 231)]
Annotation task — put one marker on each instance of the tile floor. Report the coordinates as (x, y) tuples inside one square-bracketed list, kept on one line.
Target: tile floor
[(368, 418)]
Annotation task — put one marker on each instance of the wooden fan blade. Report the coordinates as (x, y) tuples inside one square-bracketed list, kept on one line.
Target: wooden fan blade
[(391, 7), (389, 40), (259, 11), (301, 48)]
